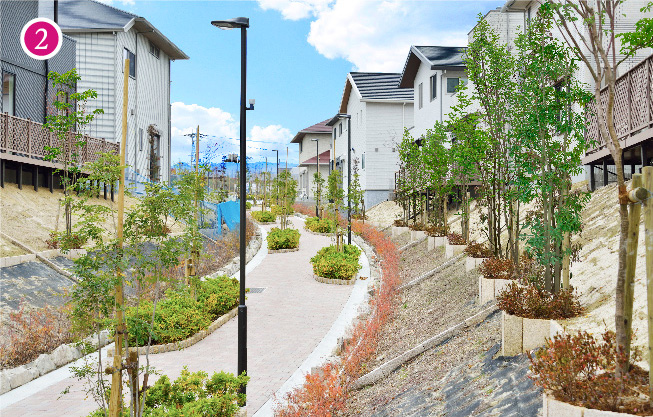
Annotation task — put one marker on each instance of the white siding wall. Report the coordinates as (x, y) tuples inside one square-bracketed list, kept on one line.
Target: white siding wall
[(426, 117), (95, 66), (309, 151), (384, 131), (148, 102)]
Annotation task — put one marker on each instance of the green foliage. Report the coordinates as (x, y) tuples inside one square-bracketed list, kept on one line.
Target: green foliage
[(642, 37), (264, 216), (356, 194), (283, 239), (317, 225), (194, 394), (248, 205), (330, 263), (180, 315), (281, 210), (318, 188)]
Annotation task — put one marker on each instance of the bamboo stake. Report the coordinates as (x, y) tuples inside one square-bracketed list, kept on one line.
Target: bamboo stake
[(648, 236), (115, 402), (631, 261)]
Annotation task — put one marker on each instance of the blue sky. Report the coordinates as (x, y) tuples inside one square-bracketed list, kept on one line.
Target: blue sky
[(299, 52)]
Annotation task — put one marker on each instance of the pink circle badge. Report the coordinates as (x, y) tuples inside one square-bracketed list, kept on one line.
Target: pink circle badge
[(41, 38)]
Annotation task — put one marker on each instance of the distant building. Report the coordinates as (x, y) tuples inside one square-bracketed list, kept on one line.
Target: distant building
[(433, 73), (380, 112), (106, 36), (311, 140)]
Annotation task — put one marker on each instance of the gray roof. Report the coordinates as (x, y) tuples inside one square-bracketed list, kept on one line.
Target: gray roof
[(90, 14), (436, 57), (93, 16), (381, 86), (442, 56)]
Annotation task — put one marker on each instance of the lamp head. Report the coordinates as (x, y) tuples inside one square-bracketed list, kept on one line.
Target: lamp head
[(237, 22)]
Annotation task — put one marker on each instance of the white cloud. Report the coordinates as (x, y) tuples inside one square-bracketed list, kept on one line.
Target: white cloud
[(223, 133), (123, 2), (375, 35)]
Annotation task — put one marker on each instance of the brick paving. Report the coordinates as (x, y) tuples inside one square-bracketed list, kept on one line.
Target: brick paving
[(285, 323)]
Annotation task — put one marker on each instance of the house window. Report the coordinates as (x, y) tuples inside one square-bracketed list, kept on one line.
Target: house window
[(363, 161), (340, 129), (127, 54), (300, 146), (452, 83), (528, 17), (434, 86), (154, 50), (9, 93), (140, 139), (419, 94)]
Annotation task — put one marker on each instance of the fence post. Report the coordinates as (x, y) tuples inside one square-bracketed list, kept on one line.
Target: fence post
[(648, 240)]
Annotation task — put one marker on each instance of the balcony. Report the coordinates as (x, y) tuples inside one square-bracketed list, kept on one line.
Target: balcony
[(23, 140), (633, 118)]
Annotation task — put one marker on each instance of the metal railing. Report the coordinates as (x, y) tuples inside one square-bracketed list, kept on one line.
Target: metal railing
[(26, 138), (633, 107)]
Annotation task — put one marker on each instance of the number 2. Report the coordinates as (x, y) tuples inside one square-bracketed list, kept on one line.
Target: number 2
[(45, 35)]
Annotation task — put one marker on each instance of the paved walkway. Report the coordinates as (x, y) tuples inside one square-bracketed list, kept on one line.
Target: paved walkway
[(286, 322)]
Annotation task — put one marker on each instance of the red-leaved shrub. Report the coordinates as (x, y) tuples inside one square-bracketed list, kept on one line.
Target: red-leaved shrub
[(534, 303), (456, 239), (495, 268), (478, 250), (324, 393), (30, 332), (580, 370)]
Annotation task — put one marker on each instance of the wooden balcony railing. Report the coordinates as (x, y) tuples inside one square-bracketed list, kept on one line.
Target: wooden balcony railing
[(26, 139), (633, 108)]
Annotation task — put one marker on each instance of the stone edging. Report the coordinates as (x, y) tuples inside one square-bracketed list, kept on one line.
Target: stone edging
[(172, 346), (335, 281), (554, 408), (472, 263), (14, 377), (283, 250)]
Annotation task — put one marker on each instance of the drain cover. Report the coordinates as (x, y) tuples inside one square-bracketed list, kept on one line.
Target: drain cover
[(256, 290)]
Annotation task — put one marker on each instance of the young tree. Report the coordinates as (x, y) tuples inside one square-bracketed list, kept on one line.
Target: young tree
[(336, 197), (68, 124), (491, 69), (589, 28), (549, 144), (318, 185), (436, 164), (356, 194)]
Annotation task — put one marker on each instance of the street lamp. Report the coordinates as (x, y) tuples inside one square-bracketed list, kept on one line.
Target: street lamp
[(277, 151), (317, 154), (332, 122), (243, 24)]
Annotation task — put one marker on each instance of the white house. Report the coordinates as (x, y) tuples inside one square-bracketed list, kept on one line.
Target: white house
[(312, 141), (106, 36), (433, 72), (379, 112)]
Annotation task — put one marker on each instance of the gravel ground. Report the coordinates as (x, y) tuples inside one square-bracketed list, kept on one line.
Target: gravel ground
[(401, 240), (384, 214), (417, 387), (417, 260)]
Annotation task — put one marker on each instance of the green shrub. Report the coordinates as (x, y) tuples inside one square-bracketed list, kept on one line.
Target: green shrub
[(317, 225), (248, 205), (264, 216), (283, 239), (329, 263), (196, 395), (279, 210), (179, 315)]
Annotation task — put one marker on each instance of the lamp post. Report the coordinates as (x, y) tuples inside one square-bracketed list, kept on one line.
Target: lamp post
[(241, 23), (317, 154), (333, 122), (277, 151)]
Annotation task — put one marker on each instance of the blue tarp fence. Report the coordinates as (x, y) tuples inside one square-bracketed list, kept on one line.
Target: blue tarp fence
[(216, 214)]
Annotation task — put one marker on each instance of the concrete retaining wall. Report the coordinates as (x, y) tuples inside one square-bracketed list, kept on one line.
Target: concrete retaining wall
[(416, 235), (396, 230), (473, 263), (453, 250), (554, 408), (519, 335), (436, 242), (488, 289)]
